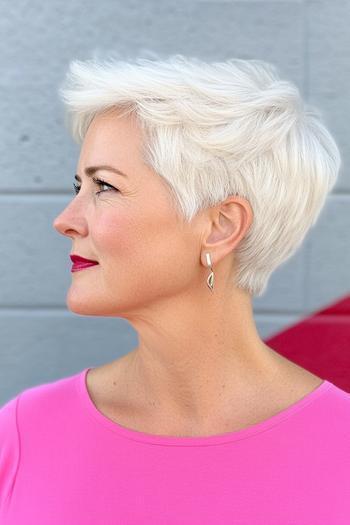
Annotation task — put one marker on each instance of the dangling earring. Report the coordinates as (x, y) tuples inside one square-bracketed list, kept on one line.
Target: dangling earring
[(210, 279)]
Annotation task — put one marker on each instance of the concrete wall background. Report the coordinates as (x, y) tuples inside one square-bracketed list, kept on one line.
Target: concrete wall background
[(309, 42)]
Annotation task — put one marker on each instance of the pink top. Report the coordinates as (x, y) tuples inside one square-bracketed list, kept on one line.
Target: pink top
[(62, 462)]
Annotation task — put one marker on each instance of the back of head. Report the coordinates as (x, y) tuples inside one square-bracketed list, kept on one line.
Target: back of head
[(217, 129)]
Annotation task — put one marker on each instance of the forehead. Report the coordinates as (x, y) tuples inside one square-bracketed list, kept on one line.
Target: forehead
[(112, 138), (113, 128)]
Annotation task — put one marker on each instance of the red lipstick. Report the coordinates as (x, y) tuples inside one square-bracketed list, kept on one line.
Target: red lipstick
[(80, 263)]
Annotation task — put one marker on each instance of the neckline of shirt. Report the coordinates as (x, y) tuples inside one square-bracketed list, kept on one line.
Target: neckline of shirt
[(195, 441)]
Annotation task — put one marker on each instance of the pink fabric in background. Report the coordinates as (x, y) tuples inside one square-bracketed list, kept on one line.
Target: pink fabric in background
[(62, 462)]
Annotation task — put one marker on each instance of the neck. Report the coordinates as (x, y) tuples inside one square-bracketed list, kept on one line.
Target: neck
[(192, 360)]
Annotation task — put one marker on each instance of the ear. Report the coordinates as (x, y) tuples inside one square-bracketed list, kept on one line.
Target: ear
[(228, 223)]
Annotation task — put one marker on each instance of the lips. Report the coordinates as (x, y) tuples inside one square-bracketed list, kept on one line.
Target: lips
[(81, 262), (76, 259)]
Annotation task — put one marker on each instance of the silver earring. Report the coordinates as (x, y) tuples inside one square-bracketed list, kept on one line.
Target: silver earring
[(210, 279)]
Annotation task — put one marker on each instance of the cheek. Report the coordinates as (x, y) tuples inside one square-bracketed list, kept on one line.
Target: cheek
[(113, 236), (135, 243), (128, 234)]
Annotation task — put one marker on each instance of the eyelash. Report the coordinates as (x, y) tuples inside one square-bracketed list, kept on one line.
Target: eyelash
[(99, 183)]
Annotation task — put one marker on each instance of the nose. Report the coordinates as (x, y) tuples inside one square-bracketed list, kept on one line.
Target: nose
[(61, 225), (69, 222), (58, 224)]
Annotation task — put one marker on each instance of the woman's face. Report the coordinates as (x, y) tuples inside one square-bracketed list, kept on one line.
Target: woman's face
[(145, 253)]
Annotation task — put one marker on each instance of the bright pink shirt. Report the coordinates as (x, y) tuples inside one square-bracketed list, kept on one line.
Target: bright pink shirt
[(62, 462)]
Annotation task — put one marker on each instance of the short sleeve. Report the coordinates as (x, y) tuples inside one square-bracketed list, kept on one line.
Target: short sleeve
[(9, 447)]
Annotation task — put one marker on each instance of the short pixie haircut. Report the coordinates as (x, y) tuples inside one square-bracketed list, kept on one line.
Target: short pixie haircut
[(212, 130)]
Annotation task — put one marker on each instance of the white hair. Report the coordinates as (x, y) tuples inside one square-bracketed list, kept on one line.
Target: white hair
[(217, 129)]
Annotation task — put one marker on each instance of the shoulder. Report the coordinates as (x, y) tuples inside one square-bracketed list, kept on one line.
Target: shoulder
[(338, 399), (9, 446), (36, 403), (25, 416), (45, 401), (330, 415)]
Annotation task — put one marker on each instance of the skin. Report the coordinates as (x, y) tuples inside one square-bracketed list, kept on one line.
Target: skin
[(200, 366)]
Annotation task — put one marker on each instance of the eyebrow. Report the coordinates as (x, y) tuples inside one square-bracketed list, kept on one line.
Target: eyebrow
[(91, 170)]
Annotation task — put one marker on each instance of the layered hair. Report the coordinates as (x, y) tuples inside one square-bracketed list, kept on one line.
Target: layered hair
[(212, 130)]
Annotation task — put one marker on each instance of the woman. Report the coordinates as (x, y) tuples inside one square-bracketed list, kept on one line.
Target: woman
[(195, 182)]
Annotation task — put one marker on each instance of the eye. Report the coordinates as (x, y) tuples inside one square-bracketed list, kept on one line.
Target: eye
[(99, 183)]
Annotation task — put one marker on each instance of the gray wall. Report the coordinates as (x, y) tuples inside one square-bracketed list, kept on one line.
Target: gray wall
[(41, 340)]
